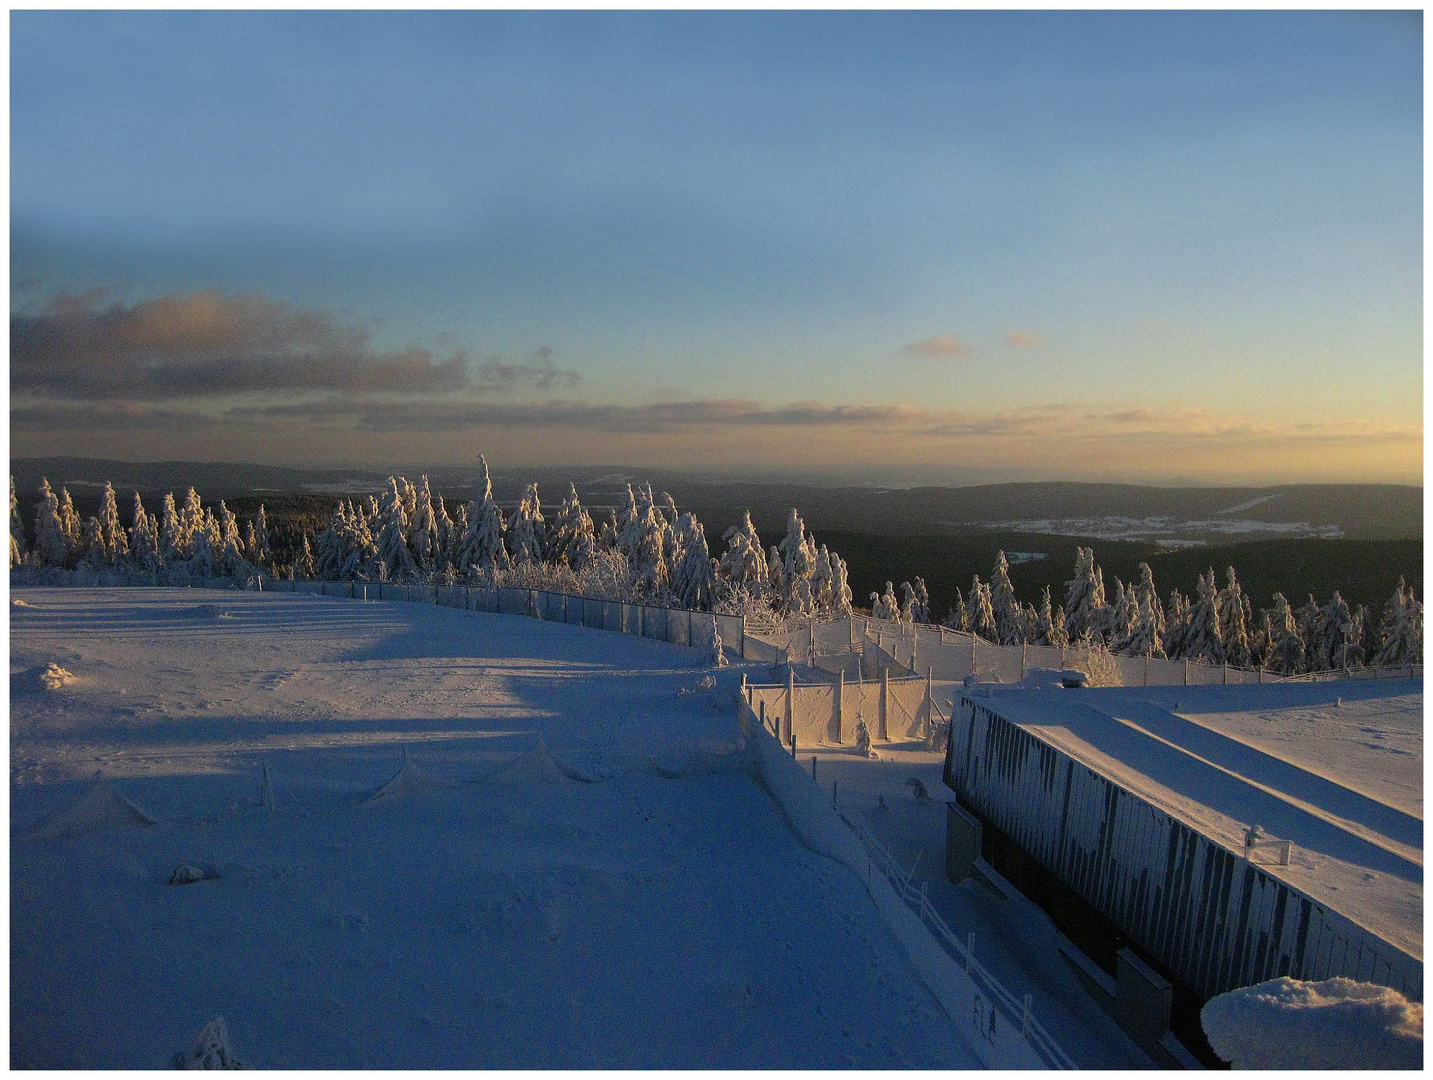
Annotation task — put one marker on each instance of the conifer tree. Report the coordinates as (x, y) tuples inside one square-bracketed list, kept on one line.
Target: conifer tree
[(393, 557), (1202, 642), (1084, 596), (51, 547), (527, 530), (17, 529), (959, 616), (1400, 632), (743, 563), (144, 540), (1335, 627), (693, 578), (171, 539), (1009, 620), (982, 613), (483, 543), (112, 533), (840, 587), (1233, 626)]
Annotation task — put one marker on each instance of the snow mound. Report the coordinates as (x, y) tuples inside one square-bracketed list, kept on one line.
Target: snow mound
[(54, 677), (17, 602), (407, 781), (1334, 1024), (210, 1049), (1052, 679), (538, 766), (99, 808)]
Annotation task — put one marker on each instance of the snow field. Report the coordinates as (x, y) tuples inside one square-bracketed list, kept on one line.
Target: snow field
[(640, 921)]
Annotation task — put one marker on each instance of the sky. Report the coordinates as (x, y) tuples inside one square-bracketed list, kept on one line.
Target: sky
[(1167, 247)]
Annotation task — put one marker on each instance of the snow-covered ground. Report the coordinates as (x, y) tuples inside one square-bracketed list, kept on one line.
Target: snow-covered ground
[(1172, 532), (646, 907)]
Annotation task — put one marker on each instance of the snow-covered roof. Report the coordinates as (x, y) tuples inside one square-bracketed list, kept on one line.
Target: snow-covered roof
[(1335, 767)]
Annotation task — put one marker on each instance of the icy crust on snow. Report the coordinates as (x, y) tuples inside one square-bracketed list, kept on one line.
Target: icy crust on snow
[(1334, 1024), (1359, 855)]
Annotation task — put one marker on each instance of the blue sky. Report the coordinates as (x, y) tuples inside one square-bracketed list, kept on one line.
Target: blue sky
[(1144, 246)]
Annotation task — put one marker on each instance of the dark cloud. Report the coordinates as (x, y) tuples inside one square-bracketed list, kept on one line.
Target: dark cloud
[(106, 416), (660, 417), (206, 344)]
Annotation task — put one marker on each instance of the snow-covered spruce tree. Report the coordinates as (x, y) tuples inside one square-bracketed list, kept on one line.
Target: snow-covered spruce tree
[(453, 539), (908, 602), (959, 617), (144, 540), (821, 580), (1084, 596), (331, 553), (1143, 590), (693, 579), (743, 563), (1202, 642), (51, 547), (574, 542), (259, 552), (203, 561), (1233, 621), (171, 538), (423, 529), (1335, 627), (1048, 630), (303, 566), (17, 528), (629, 517), (982, 613), (1143, 636), (94, 556), (889, 603), (527, 530), (1009, 623), (1306, 618), (191, 522), (920, 611), (112, 534), (1123, 612), (393, 555), (647, 560), (75, 542), (1400, 631), (775, 576), (799, 600), (840, 587), (798, 555), (1176, 622), (483, 546), (231, 548)]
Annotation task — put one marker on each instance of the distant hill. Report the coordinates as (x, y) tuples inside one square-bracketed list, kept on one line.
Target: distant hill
[(1225, 515)]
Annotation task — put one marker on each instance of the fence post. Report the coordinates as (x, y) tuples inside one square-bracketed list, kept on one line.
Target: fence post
[(790, 704), (689, 626), (1186, 671), (1226, 672), (973, 640), (1022, 660), (1146, 669), (741, 637), (840, 693), (930, 700), (881, 708)]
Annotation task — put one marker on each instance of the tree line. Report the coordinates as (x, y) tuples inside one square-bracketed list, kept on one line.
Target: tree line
[(1215, 625), (645, 551)]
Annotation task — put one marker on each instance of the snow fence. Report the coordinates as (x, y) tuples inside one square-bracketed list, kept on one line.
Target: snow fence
[(996, 1026), (828, 712)]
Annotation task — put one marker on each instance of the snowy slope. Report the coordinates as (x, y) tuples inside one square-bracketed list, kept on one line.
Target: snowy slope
[(494, 911)]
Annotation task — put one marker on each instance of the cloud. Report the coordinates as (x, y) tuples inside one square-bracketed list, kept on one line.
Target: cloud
[(945, 346), (663, 417), (1023, 339), (207, 344)]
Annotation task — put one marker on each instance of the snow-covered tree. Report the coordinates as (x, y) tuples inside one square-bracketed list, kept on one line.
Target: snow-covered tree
[(798, 553), (1009, 621), (693, 578), (93, 557), (1143, 636), (1202, 641), (908, 602), (144, 539), (920, 610), (1176, 621), (112, 533), (775, 575), (574, 541), (841, 589), (1143, 590), (191, 522), (17, 529), (171, 539), (1084, 596), (232, 562), (743, 562), (1400, 632), (51, 546), (1124, 611), (393, 558), (1049, 629), (482, 545), (75, 543), (303, 566), (1233, 621), (527, 530), (821, 580), (982, 612), (424, 541), (1335, 628), (959, 617)]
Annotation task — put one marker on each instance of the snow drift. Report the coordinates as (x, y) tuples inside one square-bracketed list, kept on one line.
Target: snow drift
[(1334, 1024), (101, 807)]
